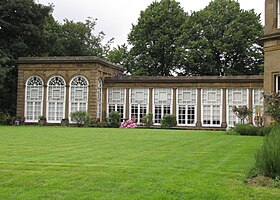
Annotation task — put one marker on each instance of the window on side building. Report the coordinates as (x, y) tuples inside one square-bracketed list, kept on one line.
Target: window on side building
[(116, 101), (139, 104)]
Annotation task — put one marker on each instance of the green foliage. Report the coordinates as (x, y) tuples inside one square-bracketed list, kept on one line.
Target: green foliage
[(272, 101), (5, 118), (21, 34), (246, 129), (74, 39), (147, 120), (114, 119), (168, 121), (242, 112), (81, 118), (121, 56), (222, 39), (154, 37), (268, 156)]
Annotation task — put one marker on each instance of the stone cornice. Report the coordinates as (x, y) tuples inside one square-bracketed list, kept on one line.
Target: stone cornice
[(66, 60), (267, 37), (185, 79)]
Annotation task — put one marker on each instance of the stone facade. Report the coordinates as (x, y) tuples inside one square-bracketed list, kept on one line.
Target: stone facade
[(271, 43), (91, 68), (123, 93)]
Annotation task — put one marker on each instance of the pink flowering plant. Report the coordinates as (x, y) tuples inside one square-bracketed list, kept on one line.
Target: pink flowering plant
[(128, 124)]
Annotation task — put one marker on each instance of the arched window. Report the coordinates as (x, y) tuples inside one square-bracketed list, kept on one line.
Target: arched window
[(99, 99), (78, 94), (56, 99), (33, 99)]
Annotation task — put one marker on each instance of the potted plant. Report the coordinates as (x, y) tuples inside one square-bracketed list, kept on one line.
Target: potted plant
[(42, 121)]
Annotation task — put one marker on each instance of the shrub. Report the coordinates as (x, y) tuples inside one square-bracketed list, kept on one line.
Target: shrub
[(114, 119), (5, 118), (263, 131), (246, 129), (168, 121), (148, 120), (272, 101), (81, 118), (268, 156), (128, 124)]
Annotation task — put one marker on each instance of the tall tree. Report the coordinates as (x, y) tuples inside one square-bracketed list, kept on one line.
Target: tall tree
[(21, 34), (153, 38), (74, 39), (121, 55), (222, 39)]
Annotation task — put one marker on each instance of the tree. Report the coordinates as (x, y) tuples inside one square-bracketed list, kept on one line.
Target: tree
[(153, 38), (74, 39), (221, 39), (121, 55), (21, 34)]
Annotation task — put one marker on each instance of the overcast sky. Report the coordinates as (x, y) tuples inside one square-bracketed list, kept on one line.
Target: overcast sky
[(115, 17)]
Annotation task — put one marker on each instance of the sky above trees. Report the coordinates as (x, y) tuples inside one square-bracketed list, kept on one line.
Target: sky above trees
[(115, 18)]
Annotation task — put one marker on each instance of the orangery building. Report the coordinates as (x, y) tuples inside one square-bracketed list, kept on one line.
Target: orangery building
[(54, 87)]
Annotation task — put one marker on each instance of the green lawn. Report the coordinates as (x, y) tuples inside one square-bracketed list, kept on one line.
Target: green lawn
[(88, 163)]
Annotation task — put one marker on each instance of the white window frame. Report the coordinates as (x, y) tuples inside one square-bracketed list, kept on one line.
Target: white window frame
[(229, 105), (212, 105), (139, 105), (78, 102), (116, 104), (163, 105), (33, 101), (56, 102), (186, 105), (99, 99), (257, 102)]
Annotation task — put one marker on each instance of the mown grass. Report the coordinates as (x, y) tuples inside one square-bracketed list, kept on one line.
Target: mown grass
[(88, 163)]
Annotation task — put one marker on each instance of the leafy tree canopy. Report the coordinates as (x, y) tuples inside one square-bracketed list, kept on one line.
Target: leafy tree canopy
[(74, 39), (221, 39), (153, 38)]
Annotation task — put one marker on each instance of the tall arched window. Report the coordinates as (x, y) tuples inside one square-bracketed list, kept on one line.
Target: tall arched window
[(33, 99), (78, 94), (99, 99), (56, 99)]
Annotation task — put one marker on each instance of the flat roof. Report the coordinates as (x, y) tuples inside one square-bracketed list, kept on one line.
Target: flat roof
[(66, 60), (185, 79)]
